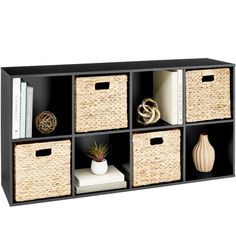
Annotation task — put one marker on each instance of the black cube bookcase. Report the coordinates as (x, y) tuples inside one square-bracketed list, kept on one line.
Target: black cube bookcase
[(54, 88)]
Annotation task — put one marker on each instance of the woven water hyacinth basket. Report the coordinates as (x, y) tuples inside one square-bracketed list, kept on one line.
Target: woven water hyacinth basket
[(156, 157), (42, 170), (101, 103), (207, 94)]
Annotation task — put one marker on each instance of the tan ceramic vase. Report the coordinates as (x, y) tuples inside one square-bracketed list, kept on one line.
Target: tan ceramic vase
[(203, 154)]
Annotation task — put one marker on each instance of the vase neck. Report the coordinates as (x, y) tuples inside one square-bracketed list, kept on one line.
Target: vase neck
[(203, 137)]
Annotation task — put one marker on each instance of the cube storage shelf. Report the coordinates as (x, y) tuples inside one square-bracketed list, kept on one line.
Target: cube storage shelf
[(55, 90)]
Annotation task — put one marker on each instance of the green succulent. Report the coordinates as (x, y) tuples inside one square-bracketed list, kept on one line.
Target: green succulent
[(98, 152)]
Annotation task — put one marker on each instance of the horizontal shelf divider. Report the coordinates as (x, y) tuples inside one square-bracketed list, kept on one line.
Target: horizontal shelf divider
[(46, 138), (102, 192), (210, 178), (102, 132), (158, 185), (210, 122), (144, 129), (42, 200)]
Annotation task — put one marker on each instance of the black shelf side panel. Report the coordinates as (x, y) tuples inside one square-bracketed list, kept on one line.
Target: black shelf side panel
[(6, 147)]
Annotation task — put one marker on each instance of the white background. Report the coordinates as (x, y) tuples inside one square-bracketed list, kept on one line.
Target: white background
[(63, 32)]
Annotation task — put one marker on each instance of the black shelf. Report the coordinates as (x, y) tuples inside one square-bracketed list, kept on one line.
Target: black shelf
[(54, 88)]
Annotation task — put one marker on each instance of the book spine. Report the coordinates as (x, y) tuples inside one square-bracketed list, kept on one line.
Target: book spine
[(22, 109), (29, 111), (100, 187), (113, 179), (174, 97), (180, 97), (16, 86)]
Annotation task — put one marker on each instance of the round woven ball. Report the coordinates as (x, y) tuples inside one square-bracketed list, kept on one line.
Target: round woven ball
[(46, 122)]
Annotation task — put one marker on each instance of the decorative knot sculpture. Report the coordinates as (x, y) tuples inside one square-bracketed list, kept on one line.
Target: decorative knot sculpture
[(148, 112), (46, 122)]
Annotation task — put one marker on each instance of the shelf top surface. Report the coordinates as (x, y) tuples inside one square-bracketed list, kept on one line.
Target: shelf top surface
[(115, 67)]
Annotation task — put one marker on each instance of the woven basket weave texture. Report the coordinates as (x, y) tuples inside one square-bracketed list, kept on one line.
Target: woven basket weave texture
[(38, 177), (207, 100), (156, 163), (101, 109)]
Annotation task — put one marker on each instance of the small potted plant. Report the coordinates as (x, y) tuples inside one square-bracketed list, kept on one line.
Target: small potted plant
[(99, 163)]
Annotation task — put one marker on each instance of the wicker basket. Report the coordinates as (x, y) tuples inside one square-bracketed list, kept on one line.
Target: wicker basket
[(207, 100), (156, 157), (42, 170), (101, 103)]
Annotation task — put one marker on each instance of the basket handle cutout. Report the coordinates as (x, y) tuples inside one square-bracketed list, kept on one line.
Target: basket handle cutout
[(102, 85), (207, 78), (156, 141), (44, 152)]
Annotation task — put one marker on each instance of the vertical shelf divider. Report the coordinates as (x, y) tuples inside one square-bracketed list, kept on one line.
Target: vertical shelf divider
[(130, 128), (11, 149), (184, 125), (7, 155), (73, 137), (233, 114)]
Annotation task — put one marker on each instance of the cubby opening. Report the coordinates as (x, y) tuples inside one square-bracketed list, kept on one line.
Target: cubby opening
[(118, 153), (221, 138), (54, 94), (165, 87)]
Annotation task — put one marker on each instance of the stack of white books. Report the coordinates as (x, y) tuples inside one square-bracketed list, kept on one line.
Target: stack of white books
[(168, 92), (86, 181), (22, 109)]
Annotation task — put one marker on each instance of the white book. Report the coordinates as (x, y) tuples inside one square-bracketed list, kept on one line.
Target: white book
[(180, 96), (165, 84), (16, 86), (100, 187), (22, 109), (29, 111), (85, 177)]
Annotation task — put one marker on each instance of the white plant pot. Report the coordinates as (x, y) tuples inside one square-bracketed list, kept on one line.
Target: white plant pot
[(99, 168)]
